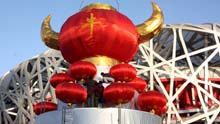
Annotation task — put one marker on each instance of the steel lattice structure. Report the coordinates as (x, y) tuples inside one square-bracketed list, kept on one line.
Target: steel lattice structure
[(189, 52)]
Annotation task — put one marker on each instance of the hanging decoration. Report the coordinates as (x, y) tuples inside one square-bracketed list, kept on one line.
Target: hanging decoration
[(99, 34), (152, 101), (138, 84), (71, 93), (100, 30), (43, 107), (82, 70), (118, 93), (123, 72), (60, 78)]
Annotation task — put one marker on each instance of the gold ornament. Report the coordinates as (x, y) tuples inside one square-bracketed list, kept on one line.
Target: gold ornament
[(152, 26)]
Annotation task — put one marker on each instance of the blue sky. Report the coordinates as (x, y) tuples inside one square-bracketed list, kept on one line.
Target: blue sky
[(20, 21)]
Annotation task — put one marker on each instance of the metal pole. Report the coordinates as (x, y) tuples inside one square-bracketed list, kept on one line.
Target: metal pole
[(63, 115), (119, 114)]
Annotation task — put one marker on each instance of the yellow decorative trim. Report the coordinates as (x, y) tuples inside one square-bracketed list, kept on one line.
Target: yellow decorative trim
[(102, 61), (90, 22), (98, 6)]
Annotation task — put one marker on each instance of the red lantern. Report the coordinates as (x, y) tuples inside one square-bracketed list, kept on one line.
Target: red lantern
[(71, 93), (123, 72), (93, 32), (118, 93), (43, 107), (138, 83), (161, 111), (151, 101), (82, 70), (60, 78)]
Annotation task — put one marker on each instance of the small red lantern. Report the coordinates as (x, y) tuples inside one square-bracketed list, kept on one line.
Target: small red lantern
[(71, 93), (60, 78), (123, 72), (43, 107), (151, 101), (118, 93), (138, 83), (82, 70)]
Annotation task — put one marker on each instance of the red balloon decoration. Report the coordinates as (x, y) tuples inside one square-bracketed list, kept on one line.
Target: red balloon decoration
[(43, 107), (138, 84), (98, 32), (123, 72), (71, 93), (82, 70), (60, 78), (118, 93), (151, 101)]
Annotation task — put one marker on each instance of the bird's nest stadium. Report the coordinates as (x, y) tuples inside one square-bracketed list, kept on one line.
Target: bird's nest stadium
[(179, 52)]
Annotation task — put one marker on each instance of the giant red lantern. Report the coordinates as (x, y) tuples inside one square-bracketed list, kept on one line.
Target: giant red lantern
[(43, 107), (60, 78), (118, 93), (123, 72), (152, 101), (71, 93), (82, 70), (87, 33), (138, 83), (100, 30)]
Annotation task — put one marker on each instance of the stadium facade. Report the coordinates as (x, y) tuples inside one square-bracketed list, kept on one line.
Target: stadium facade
[(181, 51)]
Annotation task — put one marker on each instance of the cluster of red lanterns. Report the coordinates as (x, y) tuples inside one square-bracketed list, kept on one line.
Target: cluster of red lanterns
[(121, 91), (67, 88), (81, 37)]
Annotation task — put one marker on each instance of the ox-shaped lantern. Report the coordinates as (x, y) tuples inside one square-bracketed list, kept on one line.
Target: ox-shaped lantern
[(100, 33)]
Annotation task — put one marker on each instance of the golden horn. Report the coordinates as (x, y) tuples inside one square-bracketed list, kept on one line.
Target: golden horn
[(152, 26), (49, 37)]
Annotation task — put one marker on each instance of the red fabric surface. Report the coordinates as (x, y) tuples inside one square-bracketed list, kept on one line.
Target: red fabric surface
[(71, 93), (161, 110), (82, 70), (151, 100), (138, 84), (43, 107), (118, 93), (123, 72), (113, 35), (60, 78)]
